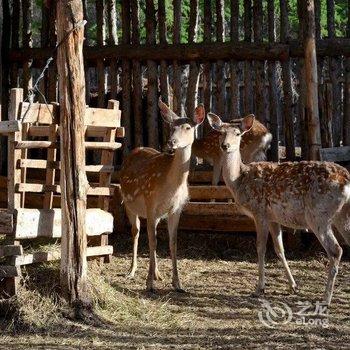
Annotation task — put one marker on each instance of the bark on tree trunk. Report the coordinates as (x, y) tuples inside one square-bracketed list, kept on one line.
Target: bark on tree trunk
[(73, 177), (312, 117)]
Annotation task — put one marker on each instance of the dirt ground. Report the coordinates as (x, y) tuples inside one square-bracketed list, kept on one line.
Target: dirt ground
[(218, 311)]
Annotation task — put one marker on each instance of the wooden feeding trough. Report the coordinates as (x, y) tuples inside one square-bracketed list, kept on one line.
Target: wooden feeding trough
[(36, 126)]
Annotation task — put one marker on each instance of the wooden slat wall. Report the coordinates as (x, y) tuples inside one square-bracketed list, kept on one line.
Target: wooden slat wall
[(227, 87)]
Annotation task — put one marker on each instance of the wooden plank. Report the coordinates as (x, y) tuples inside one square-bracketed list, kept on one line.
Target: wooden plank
[(14, 174), (210, 208), (35, 144), (102, 117), (100, 38), (335, 154), (6, 221), (223, 223), (38, 164), (9, 126), (209, 192), (91, 131), (50, 172), (39, 257), (24, 155), (27, 41), (9, 271), (111, 146), (40, 188), (33, 223), (39, 113), (10, 250)]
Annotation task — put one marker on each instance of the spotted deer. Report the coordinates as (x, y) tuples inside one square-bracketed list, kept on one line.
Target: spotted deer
[(309, 194), (154, 186), (254, 145)]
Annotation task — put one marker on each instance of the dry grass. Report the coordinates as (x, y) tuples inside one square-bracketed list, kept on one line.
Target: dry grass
[(218, 311)]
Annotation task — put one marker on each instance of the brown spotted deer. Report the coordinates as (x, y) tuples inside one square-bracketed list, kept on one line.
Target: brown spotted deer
[(313, 195), (154, 186), (253, 147)]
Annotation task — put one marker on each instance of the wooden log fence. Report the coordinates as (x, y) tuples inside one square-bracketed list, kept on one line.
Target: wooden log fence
[(220, 53)]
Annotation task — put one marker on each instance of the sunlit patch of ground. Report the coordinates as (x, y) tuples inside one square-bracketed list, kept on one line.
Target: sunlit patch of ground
[(218, 311)]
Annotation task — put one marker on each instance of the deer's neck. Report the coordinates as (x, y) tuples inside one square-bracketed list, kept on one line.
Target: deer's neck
[(232, 167), (180, 166)]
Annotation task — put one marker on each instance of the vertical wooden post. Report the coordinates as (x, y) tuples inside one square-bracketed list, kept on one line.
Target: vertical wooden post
[(177, 68), (302, 89), (27, 10), (52, 81), (126, 72), (163, 74), (73, 177), (274, 108), (193, 76), (287, 86), (259, 66), (234, 78), (334, 75), (220, 75), (207, 66), (13, 176), (4, 75), (312, 117), (248, 86), (346, 121), (87, 42), (152, 99), (101, 37), (16, 10), (136, 77), (113, 40)]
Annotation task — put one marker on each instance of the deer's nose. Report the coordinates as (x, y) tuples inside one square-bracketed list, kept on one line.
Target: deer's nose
[(225, 146), (172, 142)]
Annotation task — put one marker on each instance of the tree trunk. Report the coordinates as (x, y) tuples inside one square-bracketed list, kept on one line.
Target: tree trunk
[(73, 178), (312, 117)]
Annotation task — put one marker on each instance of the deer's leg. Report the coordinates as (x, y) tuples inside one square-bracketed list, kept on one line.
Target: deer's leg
[(152, 243), (173, 222), (135, 232), (276, 233), (342, 222), (325, 235), (262, 233)]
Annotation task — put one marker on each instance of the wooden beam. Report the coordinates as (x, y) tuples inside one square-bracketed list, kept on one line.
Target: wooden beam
[(209, 192), (335, 154), (9, 271), (70, 64), (33, 223), (9, 126), (39, 257), (6, 222), (10, 250), (200, 52)]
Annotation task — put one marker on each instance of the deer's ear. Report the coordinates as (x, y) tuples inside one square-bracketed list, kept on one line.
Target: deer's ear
[(168, 115), (214, 121), (199, 115), (247, 123)]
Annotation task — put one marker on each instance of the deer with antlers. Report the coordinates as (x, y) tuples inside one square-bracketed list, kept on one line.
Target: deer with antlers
[(309, 194), (154, 186), (254, 145)]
